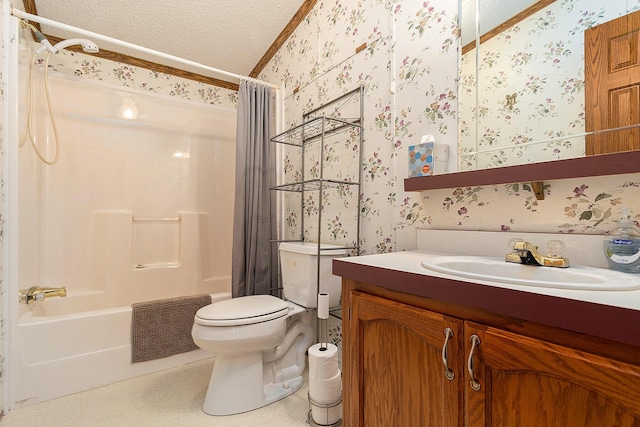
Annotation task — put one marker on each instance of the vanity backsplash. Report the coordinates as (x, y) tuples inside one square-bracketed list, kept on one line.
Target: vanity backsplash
[(580, 249)]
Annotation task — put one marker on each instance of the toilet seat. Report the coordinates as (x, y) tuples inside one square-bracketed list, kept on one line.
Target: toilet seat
[(242, 311)]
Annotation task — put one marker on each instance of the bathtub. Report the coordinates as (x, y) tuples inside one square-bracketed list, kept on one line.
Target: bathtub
[(135, 210), (54, 356)]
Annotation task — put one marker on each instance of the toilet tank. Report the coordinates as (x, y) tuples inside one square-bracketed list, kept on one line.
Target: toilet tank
[(299, 266)]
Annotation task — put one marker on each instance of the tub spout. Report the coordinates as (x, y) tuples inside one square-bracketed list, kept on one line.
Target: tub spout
[(37, 293)]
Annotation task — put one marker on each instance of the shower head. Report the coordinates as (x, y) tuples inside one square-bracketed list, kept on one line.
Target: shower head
[(87, 46)]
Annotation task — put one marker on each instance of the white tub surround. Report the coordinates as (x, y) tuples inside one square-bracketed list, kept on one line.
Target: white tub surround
[(136, 209)]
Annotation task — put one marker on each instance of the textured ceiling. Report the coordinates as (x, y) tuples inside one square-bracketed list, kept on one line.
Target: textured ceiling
[(231, 35)]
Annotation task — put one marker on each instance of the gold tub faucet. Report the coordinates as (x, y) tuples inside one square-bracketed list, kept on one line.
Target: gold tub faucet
[(37, 293)]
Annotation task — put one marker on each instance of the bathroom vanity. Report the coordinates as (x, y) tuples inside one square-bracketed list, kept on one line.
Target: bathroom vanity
[(422, 348)]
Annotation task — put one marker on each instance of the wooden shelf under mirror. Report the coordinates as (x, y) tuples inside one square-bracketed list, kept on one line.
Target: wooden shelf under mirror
[(600, 165)]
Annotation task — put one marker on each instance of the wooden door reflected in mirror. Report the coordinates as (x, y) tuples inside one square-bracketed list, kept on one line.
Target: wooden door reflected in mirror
[(612, 85)]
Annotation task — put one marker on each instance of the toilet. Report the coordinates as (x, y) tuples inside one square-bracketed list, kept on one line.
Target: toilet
[(260, 341)]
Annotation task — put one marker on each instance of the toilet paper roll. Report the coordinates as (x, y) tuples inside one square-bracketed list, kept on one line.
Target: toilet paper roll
[(326, 416), (323, 305), (326, 391), (323, 364)]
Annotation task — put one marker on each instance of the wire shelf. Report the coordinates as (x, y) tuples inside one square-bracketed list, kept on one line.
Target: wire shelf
[(315, 128), (334, 246), (313, 185), (320, 133)]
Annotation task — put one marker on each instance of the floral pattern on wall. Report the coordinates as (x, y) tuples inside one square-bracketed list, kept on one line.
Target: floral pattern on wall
[(593, 209), (420, 58), (410, 45), (129, 76), (583, 206), (530, 87)]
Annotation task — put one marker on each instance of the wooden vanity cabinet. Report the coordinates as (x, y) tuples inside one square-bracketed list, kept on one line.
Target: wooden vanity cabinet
[(394, 374), (530, 382), (397, 373)]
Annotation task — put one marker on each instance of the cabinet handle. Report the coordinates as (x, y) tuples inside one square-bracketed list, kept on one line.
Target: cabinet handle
[(448, 373), (475, 341)]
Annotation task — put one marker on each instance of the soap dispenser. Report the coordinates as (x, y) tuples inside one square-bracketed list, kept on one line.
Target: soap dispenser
[(622, 247)]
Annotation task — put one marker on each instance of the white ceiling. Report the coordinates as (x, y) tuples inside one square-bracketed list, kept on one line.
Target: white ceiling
[(492, 13), (232, 35)]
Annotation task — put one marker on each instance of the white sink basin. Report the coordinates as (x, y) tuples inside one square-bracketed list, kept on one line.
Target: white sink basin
[(498, 270)]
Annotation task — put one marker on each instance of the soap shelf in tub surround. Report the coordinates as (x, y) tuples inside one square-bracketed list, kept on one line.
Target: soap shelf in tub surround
[(156, 242), (145, 242)]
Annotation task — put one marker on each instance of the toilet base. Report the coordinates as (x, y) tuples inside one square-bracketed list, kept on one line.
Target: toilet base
[(233, 391)]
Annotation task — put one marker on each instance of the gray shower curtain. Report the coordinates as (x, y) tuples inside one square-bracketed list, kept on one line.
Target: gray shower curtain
[(251, 273)]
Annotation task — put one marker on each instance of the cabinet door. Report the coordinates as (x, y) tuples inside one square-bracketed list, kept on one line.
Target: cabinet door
[(397, 374), (529, 382)]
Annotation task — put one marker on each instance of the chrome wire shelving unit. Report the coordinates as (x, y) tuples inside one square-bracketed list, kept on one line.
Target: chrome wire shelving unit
[(317, 128), (313, 185)]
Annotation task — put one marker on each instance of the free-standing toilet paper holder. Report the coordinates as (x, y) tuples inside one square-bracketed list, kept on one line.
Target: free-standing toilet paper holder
[(323, 406), (323, 315)]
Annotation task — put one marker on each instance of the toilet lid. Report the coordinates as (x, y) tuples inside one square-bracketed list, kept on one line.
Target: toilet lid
[(242, 311)]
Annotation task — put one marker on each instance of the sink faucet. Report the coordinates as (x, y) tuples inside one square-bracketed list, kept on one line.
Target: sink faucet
[(36, 293), (526, 253)]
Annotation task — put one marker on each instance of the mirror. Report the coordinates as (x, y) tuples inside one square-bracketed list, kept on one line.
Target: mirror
[(529, 103)]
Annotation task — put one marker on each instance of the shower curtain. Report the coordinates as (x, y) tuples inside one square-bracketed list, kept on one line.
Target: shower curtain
[(251, 272)]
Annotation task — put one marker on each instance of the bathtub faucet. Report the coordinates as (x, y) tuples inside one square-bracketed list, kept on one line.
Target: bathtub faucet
[(36, 293)]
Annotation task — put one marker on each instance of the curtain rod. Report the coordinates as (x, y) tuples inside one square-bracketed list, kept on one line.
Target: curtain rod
[(90, 34)]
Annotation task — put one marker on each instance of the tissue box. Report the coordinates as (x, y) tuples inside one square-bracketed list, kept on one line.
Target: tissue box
[(429, 158)]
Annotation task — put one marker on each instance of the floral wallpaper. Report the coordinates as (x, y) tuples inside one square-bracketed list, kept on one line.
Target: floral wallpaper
[(582, 205), (129, 76), (409, 69), (530, 87), (2, 197)]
